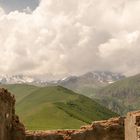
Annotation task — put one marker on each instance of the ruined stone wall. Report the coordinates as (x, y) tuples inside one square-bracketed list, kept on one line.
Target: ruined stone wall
[(132, 126), (10, 127), (6, 111), (112, 129)]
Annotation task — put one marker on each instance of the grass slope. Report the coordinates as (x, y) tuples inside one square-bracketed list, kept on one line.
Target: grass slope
[(122, 96), (20, 90), (55, 107)]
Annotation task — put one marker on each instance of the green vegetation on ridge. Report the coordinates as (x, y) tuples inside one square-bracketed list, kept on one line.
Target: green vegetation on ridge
[(55, 107), (122, 96)]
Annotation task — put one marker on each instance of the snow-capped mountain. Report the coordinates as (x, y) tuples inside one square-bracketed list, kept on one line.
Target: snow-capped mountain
[(104, 76), (16, 79), (22, 79), (86, 84), (96, 78), (89, 82)]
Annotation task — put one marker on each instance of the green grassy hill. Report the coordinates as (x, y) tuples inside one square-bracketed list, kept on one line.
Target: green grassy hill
[(20, 90), (55, 107), (122, 96)]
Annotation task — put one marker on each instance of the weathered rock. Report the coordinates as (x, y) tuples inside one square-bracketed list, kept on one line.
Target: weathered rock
[(18, 130), (10, 127), (112, 129), (132, 126), (44, 135)]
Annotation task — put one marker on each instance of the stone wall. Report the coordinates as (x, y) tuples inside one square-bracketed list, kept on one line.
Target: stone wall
[(10, 127), (112, 129), (132, 126)]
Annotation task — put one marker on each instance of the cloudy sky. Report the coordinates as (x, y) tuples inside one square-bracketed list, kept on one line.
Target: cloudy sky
[(61, 37)]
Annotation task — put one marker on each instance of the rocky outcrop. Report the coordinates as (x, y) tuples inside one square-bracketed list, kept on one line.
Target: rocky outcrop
[(112, 129), (10, 127), (45, 135)]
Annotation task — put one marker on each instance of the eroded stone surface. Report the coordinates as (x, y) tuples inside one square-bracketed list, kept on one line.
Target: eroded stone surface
[(112, 129), (10, 127), (132, 126)]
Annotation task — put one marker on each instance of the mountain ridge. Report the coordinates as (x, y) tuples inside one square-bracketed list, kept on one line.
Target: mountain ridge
[(122, 96), (100, 76), (88, 83), (49, 107)]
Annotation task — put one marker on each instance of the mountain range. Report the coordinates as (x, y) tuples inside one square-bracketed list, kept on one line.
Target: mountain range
[(122, 96), (55, 107), (85, 84), (113, 90), (88, 83)]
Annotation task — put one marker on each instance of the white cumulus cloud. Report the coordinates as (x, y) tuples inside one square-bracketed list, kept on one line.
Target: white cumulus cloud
[(63, 37)]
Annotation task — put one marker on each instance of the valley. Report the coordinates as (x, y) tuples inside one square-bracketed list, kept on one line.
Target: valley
[(122, 96), (55, 107), (67, 100)]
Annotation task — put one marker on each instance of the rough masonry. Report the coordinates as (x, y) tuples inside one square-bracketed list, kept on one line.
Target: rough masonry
[(112, 129), (10, 127), (132, 126)]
